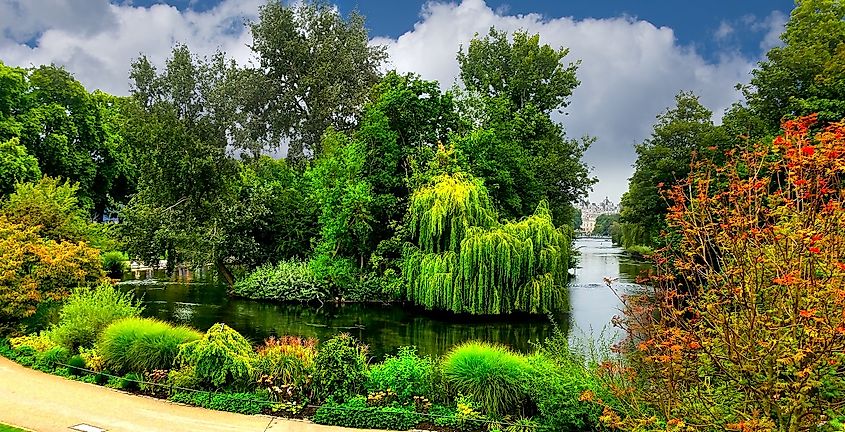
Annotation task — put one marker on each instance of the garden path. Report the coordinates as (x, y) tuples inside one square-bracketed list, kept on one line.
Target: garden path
[(47, 403)]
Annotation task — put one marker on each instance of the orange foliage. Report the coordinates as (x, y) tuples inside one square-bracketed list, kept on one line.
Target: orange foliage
[(33, 270), (742, 326)]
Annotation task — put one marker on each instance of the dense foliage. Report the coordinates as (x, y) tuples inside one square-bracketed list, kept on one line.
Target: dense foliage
[(142, 344), (466, 261), (286, 281), (742, 326), (604, 224), (222, 357), (340, 368), (491, 375), (87, 312), (73, 134)]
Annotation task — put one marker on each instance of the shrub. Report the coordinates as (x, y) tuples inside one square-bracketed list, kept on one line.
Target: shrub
[(34, 270), (76, 365), (50, 359), (491, 375), (93, 360), (406, 374), (340, 368), (222, 357), (742, 326), (130, 382), (114, 263), (242, 403), (38, 342), (87, 312), (288, 360), (286, 281), (142, 344), (558, 392), (357, 414), (185, 378)]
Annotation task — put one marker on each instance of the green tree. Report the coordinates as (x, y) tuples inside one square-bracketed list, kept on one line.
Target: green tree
[(523, 155), (72, 133), (178, 130), (16, 166), (315, 71), (344, 197), (604, 224), (49, 206), (807, 74), (664, 158)]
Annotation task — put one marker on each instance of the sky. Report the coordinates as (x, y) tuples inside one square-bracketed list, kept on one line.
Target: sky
[(635, 55)]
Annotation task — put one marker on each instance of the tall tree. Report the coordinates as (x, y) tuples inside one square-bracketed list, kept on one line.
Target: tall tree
[(178, 132), (522, 153), (807, 74), (315, 69), (664, 158), (72, 133)]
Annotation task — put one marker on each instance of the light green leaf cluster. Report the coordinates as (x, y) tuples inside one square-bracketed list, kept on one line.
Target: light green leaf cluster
[(466, 262)]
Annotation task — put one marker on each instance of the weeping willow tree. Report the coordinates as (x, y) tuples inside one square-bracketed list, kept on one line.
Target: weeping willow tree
[(466, 262)]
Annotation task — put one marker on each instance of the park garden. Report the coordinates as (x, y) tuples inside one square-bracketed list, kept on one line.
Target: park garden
[(459, 202)]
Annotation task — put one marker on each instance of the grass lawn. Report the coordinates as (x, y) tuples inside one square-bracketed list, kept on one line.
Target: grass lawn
[(7, 428)]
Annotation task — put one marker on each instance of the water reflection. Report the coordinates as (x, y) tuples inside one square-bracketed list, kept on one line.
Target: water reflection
[(198, 300), (593, 304), (384, 328)]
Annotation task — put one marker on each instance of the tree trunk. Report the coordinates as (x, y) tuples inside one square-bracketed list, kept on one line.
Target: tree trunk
[(226, 274)]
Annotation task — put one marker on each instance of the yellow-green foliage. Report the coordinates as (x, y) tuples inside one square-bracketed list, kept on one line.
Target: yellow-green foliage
[(466, 262), (443, 211)]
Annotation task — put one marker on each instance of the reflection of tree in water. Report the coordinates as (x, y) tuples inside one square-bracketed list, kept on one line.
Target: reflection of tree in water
[(200, 301)]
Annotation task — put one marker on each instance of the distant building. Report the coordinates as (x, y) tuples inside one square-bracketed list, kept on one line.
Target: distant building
[(591, 211)]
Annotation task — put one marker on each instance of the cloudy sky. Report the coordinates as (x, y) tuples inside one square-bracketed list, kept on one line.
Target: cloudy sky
[(635, 55)]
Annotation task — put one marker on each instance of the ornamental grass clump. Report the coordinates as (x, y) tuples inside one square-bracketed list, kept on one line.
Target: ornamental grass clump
[(286, 360), (220, 358), (490, 375), (142, 344)]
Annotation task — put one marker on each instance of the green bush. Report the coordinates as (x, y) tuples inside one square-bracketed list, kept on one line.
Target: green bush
[(142, 344), (87, 312), (130, 382), (407, 374), (340, 369), (115, 263), (556, 389), (491, 375), (242, 403), (286, 281), (185, 378), (50, 359), (356, 414), (76, 365), (222, 357)]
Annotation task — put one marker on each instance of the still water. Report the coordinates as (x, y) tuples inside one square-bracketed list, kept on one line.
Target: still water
[(200, 302)]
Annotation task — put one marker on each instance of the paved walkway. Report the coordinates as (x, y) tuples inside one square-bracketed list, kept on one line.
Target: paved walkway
[(46, 403)]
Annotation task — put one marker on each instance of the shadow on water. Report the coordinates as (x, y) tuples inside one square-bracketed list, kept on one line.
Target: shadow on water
[(199, 301)]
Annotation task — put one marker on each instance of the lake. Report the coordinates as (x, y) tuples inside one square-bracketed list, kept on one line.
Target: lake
[(200, 301)]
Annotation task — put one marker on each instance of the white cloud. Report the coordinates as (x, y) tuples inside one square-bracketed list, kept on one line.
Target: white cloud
[(99, 55), (724, 30), (630, 72), (630, 69), (773, 25)]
